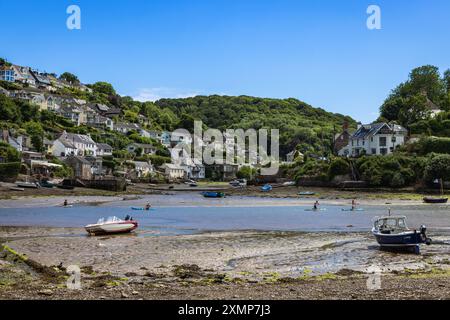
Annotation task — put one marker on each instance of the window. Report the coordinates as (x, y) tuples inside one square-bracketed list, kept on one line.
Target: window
[(374, 151), (383, 151), (383, 142)]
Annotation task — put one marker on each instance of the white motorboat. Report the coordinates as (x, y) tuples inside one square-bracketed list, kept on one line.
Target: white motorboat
[(112, 225)]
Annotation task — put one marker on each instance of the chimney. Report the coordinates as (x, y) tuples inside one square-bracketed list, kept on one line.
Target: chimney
[(359, 125)]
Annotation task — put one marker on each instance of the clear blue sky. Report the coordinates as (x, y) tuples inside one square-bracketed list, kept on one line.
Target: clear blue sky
[(318, 51)]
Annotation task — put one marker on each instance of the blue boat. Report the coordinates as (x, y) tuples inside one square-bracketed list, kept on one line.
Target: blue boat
[(212, 194), (392, 232), (266, 188)]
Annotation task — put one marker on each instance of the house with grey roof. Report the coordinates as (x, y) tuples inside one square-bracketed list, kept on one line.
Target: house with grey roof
[(144, 147), (104, 149), (74, 144), (375, 139)]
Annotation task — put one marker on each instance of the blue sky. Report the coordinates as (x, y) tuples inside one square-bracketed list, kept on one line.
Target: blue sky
[(318, 51)]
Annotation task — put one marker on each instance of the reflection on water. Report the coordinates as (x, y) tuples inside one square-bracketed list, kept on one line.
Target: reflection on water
[(185, 220)]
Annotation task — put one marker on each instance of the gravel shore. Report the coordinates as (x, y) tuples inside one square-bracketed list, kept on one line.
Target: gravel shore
[(217, 265)]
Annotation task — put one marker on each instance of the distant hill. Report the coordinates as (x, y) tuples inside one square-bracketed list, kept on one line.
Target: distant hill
[(299, 123)]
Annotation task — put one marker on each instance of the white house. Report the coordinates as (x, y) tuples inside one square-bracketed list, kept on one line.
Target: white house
[(74, 144), (104, 149), (173, 171), (144, 147), (375, 139)]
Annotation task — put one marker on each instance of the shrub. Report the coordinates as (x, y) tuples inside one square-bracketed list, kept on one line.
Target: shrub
[(438, 168), (9, 171), (338, 167)]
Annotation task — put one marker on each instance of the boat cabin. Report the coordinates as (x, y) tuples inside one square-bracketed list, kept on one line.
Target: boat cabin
[(391, 225)]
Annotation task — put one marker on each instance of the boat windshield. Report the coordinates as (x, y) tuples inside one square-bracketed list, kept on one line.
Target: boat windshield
[(391, 223), (108, 220)]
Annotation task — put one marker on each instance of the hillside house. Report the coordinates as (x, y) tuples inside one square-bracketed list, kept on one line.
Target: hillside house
[(104, 149), (81, 167), (173, 171), (143, 147), (375, 139), (74, 144)]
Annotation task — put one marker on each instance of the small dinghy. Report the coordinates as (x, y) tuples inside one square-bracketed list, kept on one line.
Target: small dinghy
[(210, 194), (27, 185), (112, 225), (266, 188), (142, 209), (392, 232), (306, 193), (16, 189)]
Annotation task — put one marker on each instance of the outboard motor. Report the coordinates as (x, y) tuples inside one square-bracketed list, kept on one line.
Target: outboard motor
[(423, 230)]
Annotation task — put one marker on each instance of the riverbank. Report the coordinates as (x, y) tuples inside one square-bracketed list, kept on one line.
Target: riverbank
[(217, 265)]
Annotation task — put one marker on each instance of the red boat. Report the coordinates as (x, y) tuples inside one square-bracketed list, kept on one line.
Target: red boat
[(112, 225)]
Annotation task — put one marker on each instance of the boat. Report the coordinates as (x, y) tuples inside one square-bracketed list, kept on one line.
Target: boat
[(212, 194), (352, 209), (441, 199), (27, 185), (289, 184), (46, 184), (392, 232), (112, 225), (266, 188), (16, 189), (435, 200), (142, 209), (306, 193)]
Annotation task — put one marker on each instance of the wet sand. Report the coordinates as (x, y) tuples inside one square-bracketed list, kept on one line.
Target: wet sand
[(247, 264)]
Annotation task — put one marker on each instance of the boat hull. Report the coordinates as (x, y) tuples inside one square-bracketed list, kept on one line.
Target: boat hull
[(435, 200), (406, 239), (213, 194), (112, 228)]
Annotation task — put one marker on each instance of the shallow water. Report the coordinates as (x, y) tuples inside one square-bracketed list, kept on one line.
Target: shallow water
[(182, 220)]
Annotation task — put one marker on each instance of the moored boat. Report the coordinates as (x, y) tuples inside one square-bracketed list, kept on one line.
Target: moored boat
[(392, 232), (266, 188), (211, 194), (435, 200), (27, 185), (112, 225)]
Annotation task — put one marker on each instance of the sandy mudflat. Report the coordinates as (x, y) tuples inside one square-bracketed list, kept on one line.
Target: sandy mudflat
[(247, 264)]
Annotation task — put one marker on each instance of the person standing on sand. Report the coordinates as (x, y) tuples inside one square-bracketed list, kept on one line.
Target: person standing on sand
[(353, 204)]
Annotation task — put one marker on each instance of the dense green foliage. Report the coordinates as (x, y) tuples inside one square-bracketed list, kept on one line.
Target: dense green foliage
[(70, 78), (395, 170), (428, 145), (411, 102), (438, 168), (9, 171), (301, 126), (247, 172)]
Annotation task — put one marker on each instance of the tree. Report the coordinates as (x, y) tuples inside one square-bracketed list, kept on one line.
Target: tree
[(438, 168), (246, 172), (35, 130), (103, 88), (414, 109), (70, 78), (9, 110)]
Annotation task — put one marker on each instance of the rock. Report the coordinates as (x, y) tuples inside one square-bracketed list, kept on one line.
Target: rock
[(46, 292), (124, 295), (135, 293)]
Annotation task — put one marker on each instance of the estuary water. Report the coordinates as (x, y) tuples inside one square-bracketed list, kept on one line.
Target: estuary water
[(181, 220)]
